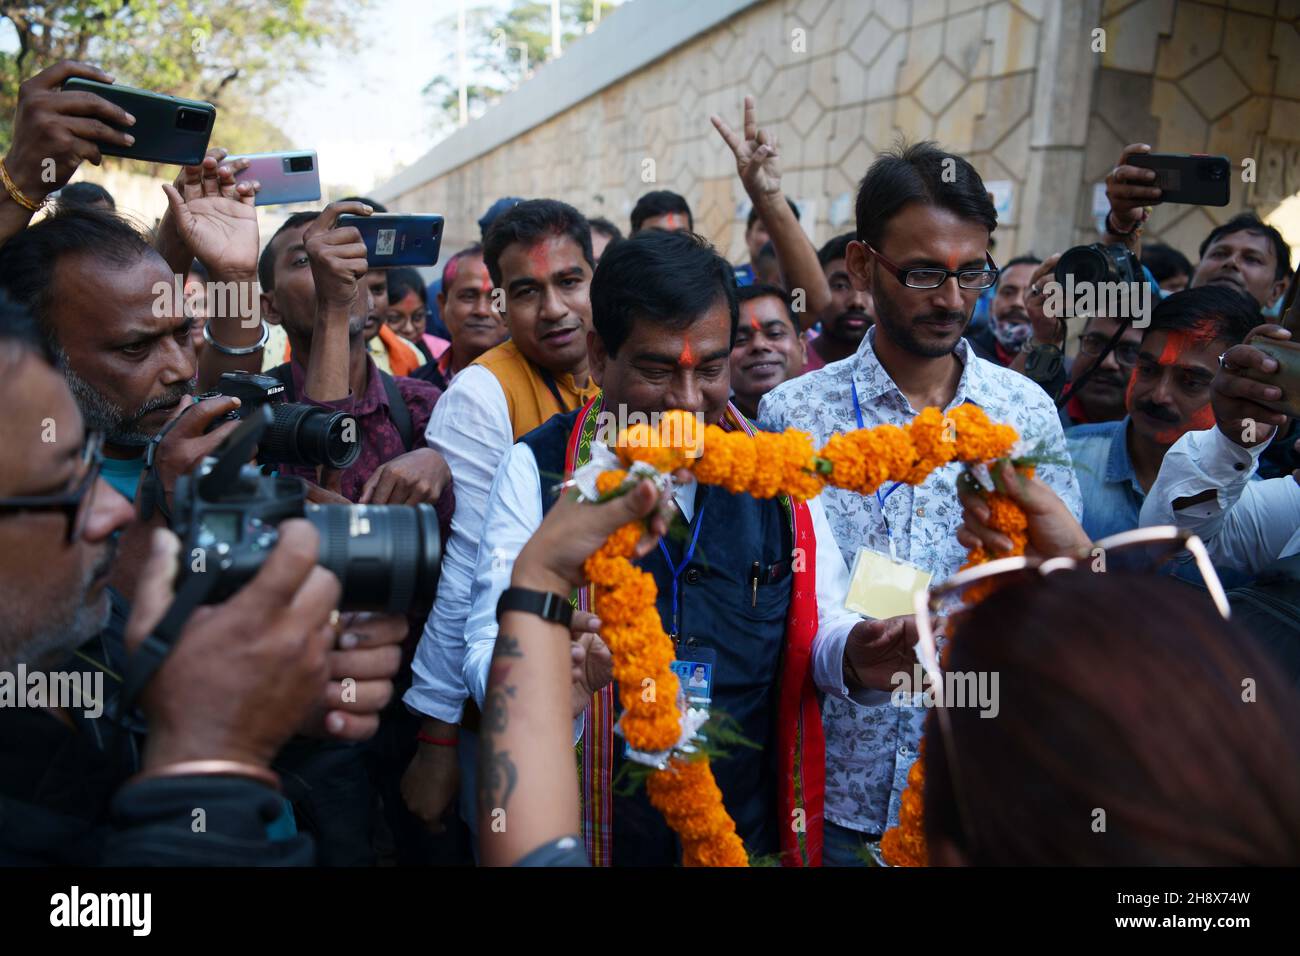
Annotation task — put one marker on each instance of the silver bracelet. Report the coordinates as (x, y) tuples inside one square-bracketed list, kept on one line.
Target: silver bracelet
[(245, 350)]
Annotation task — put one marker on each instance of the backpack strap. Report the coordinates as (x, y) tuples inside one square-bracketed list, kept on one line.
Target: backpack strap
[(398, 410)]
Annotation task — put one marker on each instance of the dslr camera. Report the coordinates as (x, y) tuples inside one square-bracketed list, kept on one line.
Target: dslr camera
[(298, 434), (226, 513), (1096, 263)]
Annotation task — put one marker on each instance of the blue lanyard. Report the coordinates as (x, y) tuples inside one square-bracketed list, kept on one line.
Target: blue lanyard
[(880, 499), (686, 559)]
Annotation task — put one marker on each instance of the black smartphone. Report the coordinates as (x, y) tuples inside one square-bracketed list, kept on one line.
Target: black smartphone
[(394, 239), (1190, 178), (168, 129)]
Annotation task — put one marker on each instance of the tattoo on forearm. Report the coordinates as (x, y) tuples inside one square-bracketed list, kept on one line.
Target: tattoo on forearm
[(497, 772)]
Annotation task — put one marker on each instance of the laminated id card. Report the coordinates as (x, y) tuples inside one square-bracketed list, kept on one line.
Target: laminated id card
[(882, 587)]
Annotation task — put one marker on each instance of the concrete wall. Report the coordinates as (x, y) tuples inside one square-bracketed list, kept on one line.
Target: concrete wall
[(1014, 85)]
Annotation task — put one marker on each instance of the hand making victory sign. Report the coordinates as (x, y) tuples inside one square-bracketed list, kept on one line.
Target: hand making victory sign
[(758, 165)]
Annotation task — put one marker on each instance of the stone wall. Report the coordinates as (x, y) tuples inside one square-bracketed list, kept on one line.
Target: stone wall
[(1014, 85)]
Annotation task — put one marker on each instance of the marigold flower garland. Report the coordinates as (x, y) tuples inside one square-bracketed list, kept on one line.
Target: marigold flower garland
[(904, 845), (765, 465)]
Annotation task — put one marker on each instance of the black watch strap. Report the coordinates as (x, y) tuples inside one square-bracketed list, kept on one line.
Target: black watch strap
[(545, 604)]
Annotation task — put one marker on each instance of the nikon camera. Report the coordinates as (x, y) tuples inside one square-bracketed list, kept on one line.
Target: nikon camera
[(298, 434), (226, 513)]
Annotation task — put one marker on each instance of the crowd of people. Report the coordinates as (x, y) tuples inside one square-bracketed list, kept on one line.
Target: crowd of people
[(474, 724)]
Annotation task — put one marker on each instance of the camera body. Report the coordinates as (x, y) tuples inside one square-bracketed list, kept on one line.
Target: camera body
[(227, 513), (298, 434), (1096, 263)]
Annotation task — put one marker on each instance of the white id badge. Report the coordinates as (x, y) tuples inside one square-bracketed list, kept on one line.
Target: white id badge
[(882, 587)]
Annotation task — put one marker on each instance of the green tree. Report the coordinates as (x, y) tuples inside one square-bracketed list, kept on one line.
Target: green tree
[(496, 43), (231, 53)]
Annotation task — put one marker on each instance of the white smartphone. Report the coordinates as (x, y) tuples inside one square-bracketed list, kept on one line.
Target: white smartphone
[(291, 176)]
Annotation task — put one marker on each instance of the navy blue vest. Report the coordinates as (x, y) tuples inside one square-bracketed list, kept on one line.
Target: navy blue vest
[(717, 610)]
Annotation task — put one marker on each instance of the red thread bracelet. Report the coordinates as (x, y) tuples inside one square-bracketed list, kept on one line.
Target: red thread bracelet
[(424, 738)]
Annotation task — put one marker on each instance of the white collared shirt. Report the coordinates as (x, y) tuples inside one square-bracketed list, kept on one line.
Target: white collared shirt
[(514, 512), (470, 427), (1247, 525), (870, 743)]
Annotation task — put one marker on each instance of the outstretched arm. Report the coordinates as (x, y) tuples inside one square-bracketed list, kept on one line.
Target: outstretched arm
[(758, 165)]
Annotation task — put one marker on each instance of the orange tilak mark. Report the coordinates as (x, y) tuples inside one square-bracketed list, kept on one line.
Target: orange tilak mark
[(486, 287), (687, 358), (1203, 418), (541, 261), (673, 221)]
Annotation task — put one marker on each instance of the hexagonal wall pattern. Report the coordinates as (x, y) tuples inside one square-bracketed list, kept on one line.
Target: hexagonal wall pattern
[(837, 81)]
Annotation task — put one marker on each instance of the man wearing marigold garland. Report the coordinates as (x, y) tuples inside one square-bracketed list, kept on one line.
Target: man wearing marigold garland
[(924, 221), (754, 588)]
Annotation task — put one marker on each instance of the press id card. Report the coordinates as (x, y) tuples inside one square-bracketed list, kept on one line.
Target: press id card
[(694, 668), (882, 587)]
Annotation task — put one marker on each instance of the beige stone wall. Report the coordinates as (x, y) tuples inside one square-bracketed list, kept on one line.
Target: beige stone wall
[(1197, 76), (1012, 84)]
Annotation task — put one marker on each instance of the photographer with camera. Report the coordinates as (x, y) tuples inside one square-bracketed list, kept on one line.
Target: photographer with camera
[(313, 284), (242, 677)]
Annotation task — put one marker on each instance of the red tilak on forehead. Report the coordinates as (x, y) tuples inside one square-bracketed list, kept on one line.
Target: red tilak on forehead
[(539, 256), (687, 358), (1180, 341), (449, 274), (673, 221), (486, 285)]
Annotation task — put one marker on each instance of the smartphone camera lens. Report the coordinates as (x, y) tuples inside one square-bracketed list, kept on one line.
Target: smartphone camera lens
[(191, 121), (299, 164), (1214, 172)]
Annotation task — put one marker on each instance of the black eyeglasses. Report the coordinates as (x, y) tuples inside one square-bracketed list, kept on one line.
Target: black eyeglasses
[(75, 504), (930, 277), (1126, 353)]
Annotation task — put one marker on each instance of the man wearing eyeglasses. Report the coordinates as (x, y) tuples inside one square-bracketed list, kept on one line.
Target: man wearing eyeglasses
[(1101, 399), (74, 790), (924, 221), (1168, 394)]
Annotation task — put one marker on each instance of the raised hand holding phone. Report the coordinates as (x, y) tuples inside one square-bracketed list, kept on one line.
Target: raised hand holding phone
[(338, 263), (53, 132)]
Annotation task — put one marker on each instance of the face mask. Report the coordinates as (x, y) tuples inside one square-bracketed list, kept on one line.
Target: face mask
[(1011, 335)]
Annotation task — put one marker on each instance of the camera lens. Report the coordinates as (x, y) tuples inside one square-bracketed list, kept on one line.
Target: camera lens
[(385, 556), (1085, 263), (192, 121), (300, 164), (307, 435)]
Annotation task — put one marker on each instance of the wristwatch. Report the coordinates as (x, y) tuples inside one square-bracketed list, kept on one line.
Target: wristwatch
[(547, 605)]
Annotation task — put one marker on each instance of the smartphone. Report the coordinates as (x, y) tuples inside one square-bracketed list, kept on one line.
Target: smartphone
[(1191, 178), (286, 177), (168, 129), (393, 239)]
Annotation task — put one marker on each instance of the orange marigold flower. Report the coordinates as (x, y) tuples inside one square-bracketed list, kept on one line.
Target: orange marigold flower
[(978, 439), (934, 439), (670, 443), (865, 459), (607, 481)]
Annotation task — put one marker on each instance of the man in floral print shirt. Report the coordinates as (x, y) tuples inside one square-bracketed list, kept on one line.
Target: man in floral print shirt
[(923, 225)]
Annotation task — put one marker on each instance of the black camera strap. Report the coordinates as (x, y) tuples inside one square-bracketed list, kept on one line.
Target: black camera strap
[(151, 654), (152, 494), (1083, 379), (398, 411)]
